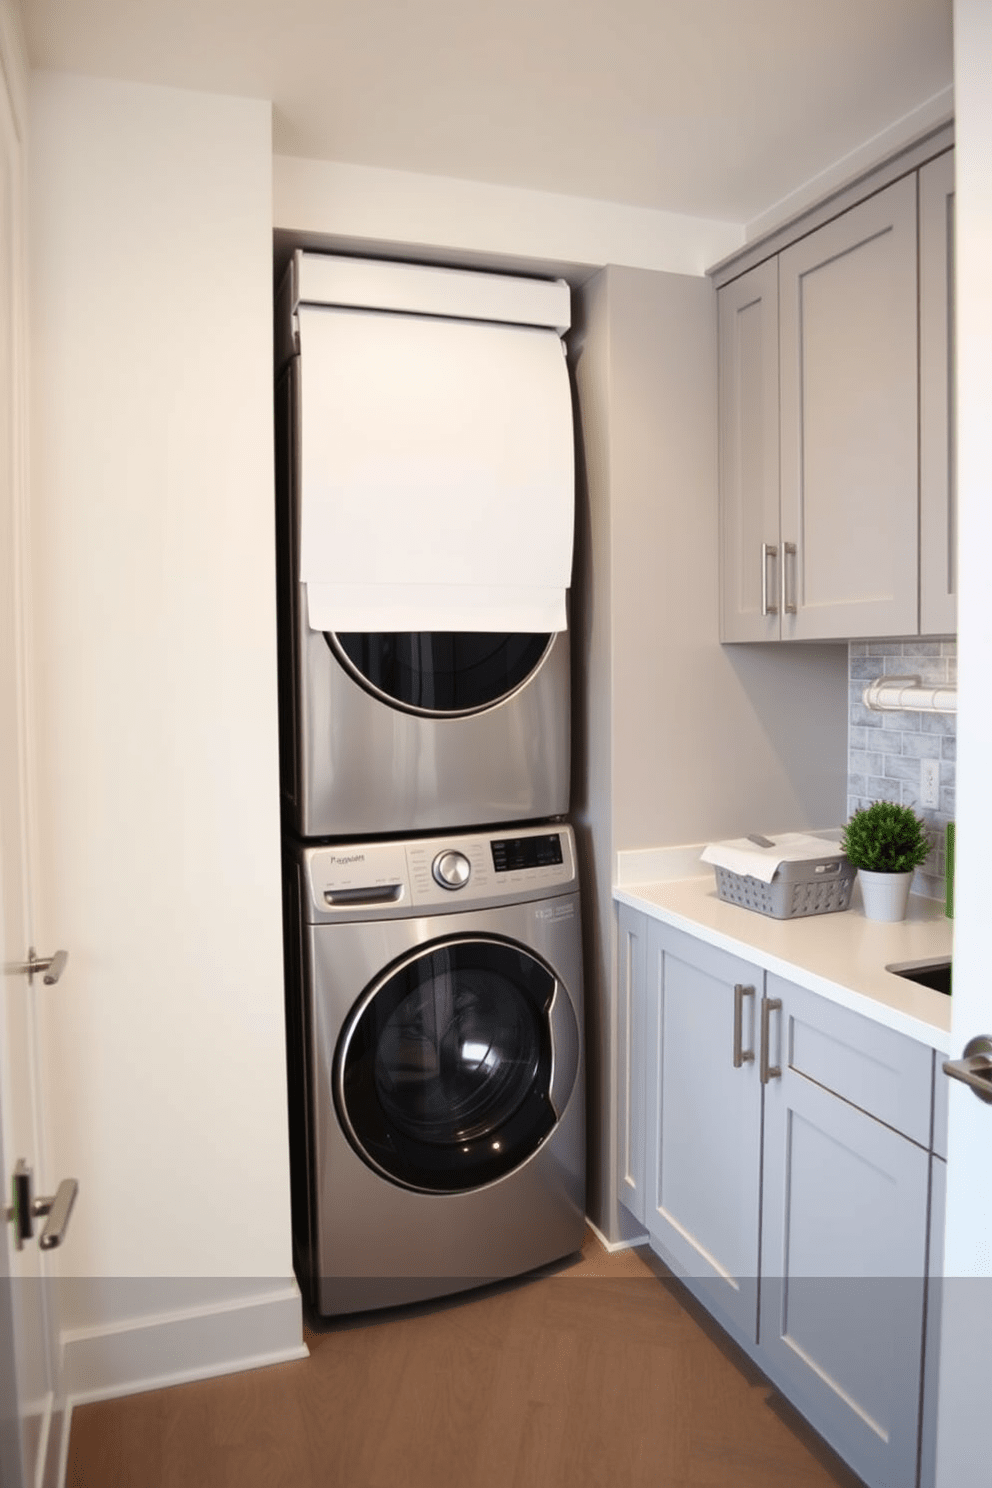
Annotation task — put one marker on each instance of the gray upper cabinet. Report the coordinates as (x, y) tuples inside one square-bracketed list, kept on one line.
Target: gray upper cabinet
[(849, 475), (938, 494), (835, 402), (750, 559)]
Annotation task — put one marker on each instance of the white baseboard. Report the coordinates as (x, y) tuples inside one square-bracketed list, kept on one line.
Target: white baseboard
[(171, 1348), (614, 1245)]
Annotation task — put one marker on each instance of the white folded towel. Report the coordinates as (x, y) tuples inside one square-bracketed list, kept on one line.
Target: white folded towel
[(437, 469), (741, 855)]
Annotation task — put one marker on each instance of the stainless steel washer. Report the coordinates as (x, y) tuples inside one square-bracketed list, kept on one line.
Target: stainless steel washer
[(391, 733), (437, 1104)]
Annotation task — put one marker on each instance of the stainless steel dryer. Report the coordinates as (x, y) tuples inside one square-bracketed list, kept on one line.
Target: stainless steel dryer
[(409, 731), (436, 1063)]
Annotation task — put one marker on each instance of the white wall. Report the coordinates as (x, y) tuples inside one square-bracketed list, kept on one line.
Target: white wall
[(155, 695), (708, 739), (377, 208), (678, 739)]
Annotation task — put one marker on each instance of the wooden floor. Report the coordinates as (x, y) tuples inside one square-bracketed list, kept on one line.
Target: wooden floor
[(601, 1374)]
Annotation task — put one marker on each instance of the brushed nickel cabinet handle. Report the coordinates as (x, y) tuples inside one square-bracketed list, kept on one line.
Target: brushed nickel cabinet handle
[(789, 550), (768, 550), (741, 1055), (769, 1071)]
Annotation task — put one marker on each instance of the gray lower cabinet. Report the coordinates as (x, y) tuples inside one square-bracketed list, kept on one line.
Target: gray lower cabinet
[(935, 1288), (703, 1147), (844, 1229), (632, 982), (785, 1172)]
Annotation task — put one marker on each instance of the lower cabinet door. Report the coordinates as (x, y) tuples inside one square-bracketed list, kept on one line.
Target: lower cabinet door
[(935, 1297), (633, 929), (703, 1157), (844, 1238)]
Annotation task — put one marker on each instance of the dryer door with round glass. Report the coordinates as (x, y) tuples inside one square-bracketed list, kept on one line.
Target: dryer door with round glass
[(456, 1065), (443, 673)]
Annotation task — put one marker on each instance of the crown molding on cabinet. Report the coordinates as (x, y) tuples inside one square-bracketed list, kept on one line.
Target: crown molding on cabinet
[(902, 163)]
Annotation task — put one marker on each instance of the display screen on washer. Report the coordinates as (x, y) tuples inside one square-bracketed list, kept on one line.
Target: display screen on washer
[(444, 1072), (437, 671), (513, 853)]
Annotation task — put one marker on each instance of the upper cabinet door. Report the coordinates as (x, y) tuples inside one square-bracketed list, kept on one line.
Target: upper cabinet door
[(849, 469), (938, 495), (749, 440)]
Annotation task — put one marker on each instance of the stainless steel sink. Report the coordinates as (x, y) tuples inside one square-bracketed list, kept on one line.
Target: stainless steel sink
[(935, 974)]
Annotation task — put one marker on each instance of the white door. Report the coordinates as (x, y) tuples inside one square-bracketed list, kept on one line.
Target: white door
[(25, 1365), (965, 1385)]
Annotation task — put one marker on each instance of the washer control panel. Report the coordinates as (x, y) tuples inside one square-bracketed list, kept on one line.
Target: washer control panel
[(377, 880), (451, 869), (511, 854)]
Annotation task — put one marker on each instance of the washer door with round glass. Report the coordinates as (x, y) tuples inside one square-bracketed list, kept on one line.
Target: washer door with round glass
[(456, 1065), (446, 673)]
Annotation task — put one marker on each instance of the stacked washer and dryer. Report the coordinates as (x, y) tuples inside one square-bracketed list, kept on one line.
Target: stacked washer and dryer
[(431, 906)]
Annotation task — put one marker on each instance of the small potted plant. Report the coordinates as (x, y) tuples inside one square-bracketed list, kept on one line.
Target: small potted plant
[(885, 842)]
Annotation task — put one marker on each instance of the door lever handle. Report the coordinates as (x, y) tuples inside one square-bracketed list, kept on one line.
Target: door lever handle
[(975, 1068), (52, 966), (55, 1211)]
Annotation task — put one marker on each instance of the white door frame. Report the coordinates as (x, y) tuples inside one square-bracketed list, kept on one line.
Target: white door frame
[(966, 1321), (31, 1391), (11, 1458)]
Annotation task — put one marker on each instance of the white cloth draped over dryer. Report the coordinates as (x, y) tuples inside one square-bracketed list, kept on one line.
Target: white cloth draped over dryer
[(437, 473)]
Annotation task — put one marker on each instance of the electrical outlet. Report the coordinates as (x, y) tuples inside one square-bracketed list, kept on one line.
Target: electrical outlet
[(930, 783)]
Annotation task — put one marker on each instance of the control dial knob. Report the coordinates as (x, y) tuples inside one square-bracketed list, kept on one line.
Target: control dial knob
[(451, 870)]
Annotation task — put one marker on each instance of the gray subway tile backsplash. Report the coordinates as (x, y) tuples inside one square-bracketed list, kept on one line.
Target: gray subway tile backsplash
[(885, 749)]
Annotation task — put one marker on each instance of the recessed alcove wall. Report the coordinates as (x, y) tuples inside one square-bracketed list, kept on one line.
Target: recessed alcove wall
[(885, 749)]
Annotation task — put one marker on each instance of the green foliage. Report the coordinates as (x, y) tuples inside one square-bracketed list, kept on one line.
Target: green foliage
[(886, 838)]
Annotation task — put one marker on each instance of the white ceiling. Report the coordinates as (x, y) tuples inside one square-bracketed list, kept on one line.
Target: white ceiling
[(713, 108)]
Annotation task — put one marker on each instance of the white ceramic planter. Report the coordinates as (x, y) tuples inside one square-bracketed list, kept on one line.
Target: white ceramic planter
[(885, 895)]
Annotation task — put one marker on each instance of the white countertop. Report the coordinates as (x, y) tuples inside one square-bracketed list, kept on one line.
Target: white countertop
[(841, 956)]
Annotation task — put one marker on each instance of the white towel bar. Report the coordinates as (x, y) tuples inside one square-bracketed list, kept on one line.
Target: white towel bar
[(897, 694)]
